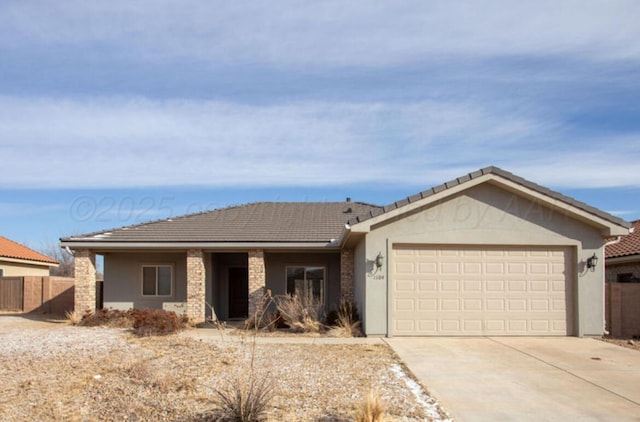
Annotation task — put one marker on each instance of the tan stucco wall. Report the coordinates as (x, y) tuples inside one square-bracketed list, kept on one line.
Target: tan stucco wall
[(16, 269), (485, 215), (359, 279), (123, 278)]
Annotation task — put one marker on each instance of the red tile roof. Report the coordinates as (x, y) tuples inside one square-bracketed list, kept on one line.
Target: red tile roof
[(628, 245), (11, 249)]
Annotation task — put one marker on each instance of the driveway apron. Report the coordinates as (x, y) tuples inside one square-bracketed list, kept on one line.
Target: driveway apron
[(526, 379)]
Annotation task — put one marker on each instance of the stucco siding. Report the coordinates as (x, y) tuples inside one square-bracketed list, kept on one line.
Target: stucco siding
[(123, 278), (489, 215), (15, 269), (359, 280)]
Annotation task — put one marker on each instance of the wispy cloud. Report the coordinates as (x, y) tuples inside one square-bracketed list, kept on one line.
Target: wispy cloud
[(328, 33), (127, 142)]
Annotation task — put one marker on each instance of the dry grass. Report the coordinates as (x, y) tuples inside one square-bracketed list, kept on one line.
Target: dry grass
[(372, 409), (77, 373), (347, 323), (245, 398), (73, 317)]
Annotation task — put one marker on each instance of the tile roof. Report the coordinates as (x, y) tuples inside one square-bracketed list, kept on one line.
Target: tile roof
[(282, 222), (628, 245), (14, 250), (499, 172), (255, 222)]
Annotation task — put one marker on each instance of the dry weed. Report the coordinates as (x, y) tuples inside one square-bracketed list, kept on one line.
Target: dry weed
[(347, 323), (299, 316), (245, 398), (372, 409), (73, 317)]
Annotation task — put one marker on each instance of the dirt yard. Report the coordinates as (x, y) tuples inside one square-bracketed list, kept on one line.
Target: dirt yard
[(628, 343), (58, 372)]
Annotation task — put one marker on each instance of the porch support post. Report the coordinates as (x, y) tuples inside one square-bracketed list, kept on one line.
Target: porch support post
[(85, 275), (195, 286), (346, 275), (257, 279)]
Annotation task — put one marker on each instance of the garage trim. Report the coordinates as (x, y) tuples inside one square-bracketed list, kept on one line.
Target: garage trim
[(525, 301)]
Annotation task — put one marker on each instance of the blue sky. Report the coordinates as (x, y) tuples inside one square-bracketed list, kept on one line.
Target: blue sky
[(112, 113)]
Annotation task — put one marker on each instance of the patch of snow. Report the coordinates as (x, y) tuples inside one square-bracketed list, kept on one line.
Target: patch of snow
[(431, 406)]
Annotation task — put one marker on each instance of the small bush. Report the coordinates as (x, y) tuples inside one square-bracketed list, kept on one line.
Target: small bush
[(145, 322), (298, 315), (371, 409), (244, 400), (157, 322), (113, 318), (345, 321), (346, 310)]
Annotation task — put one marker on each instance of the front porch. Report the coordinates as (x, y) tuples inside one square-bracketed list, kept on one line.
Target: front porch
[(225, 285)]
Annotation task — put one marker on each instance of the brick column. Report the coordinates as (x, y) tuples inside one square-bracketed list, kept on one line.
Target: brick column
[(85, 275), (257, 279), (346, 275), (196, 285)]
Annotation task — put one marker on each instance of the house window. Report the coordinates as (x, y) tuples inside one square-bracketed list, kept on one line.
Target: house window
[(1, 272), (306, 283), (157, 280)]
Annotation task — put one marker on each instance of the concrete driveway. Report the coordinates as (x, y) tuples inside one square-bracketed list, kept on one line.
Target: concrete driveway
[(518, 378)]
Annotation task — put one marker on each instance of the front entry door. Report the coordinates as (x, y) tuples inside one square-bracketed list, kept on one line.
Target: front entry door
[(238, 292)]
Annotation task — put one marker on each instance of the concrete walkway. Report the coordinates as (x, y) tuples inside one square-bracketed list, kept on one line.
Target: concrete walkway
[(225, 336), (527, 379)]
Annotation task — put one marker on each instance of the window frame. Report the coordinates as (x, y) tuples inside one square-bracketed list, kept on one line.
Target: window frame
[(305, 267), (156, 266)]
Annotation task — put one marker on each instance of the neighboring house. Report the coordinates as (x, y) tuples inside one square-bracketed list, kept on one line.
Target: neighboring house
[(622, 291), (623, 258), (488, 253), (18, 260)]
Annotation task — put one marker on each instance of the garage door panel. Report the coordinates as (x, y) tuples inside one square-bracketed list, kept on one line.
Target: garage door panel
[(474, 291)]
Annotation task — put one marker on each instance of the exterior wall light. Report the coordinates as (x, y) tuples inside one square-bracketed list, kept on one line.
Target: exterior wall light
[(592, 262), (379, 261)]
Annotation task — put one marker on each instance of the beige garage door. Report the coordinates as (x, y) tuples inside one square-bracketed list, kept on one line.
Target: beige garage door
[(442, 290)]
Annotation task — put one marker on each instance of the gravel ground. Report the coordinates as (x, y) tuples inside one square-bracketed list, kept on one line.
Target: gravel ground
[(76, 374), (628, 343)]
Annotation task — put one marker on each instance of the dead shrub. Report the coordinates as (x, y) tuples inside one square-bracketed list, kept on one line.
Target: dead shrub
[(112, 318), (345, 320), (145, 322), (264, 317), (244, 399), (372, 409), (157, 322), (298, 315)]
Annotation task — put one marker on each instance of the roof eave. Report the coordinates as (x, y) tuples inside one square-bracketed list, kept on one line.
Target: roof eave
[(92, 244), (623, 259), (608, 227), (29, 261)]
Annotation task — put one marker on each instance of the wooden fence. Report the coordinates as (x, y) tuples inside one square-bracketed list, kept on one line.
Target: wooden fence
[(622, 309), (54, 295)]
